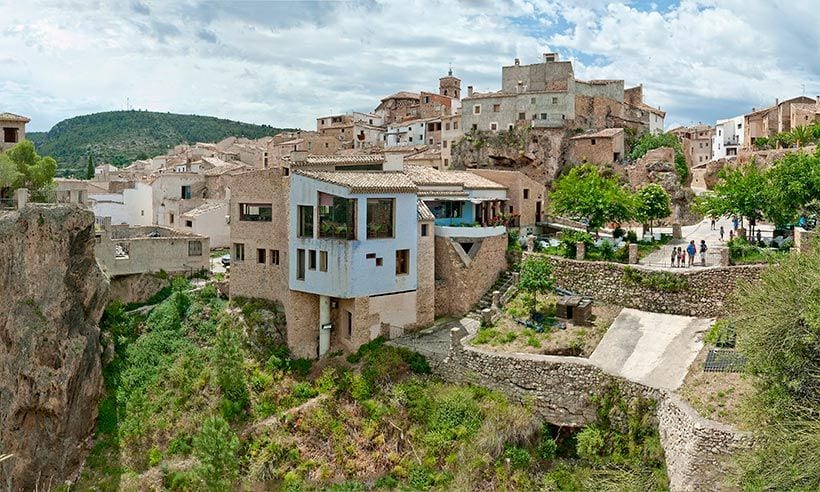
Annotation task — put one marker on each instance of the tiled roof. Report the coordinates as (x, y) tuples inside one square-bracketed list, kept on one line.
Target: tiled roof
[(424, 213), (365, 181), (341, 160), (605, 133), (13, 117), (206, 207), (402, 95), (425, 175), (227, 168)]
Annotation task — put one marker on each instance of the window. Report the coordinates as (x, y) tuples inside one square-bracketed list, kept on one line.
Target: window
[(274, 257), (431, 141), (444, 144), (171, 218), (186, 192), (447, 126), (402, 261), (424, 230), (493, 126), (522, 116), (10, 135), (510, 127), (189, 223), (260, 256), (554, 100), (312, 259), (446, 162), (194, 248), (322, 261), (475, 127), (526, 194), (286, 170), (543, 116), (265, 164), (238, 252), (379, 262), (477, 109), (379, 218), (496, 108), (256, 212), (337, 217), (532, 100), (455, 125), (592, 142), (349, 325), (300, 264), (305, 221), (426, 99)]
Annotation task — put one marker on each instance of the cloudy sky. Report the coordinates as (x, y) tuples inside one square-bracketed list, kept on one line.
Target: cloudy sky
[(285, 63)]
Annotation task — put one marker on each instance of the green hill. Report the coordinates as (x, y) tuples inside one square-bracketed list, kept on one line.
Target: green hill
[(120, 137)]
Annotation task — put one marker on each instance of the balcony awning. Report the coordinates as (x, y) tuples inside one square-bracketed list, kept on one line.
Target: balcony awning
[(481, 200)]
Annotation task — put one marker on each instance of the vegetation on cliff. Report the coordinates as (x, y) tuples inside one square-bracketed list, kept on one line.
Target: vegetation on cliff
[(120, 137), (192, 405), (650, 141), (22, 167)]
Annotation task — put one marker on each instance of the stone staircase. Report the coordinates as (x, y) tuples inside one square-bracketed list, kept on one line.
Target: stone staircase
[(502, 283)]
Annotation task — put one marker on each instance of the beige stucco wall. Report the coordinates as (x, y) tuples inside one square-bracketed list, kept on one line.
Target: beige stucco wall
[(602, 152), (460, 285), (516, 182), (152, 254)]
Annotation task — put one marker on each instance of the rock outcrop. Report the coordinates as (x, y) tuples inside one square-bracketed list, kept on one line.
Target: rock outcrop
[(53, 294), (658, 166)]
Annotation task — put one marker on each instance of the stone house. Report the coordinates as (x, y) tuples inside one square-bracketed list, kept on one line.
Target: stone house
[(696, 142), (599, 147), (400, 106), (411, 132), (355, 247), (451, 131), (526, 197), (13, 129), (776, 119), (136, 250)]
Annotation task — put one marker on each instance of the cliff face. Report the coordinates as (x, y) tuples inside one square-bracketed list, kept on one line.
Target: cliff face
[(53, 294), (658, 166)]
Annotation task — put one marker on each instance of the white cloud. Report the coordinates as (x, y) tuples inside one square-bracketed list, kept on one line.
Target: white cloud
[(285, 63)]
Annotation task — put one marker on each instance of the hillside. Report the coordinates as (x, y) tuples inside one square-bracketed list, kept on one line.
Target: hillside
[(119, 137)]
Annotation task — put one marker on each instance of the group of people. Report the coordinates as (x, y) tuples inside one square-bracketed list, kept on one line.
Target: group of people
[(680, 254)]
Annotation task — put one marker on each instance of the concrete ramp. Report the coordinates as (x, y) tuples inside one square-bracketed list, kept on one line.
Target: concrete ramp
[(651, 348)]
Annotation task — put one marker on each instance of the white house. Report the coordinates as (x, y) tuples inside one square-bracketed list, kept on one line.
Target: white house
[(133, 206), (406, 133), (728, 137)]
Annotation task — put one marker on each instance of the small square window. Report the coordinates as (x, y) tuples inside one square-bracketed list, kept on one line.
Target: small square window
[(239, 252), (554, 100), (444, 144), (424, 231), (477, 109), (526, 194), (379, 262), (194, 248), (532, 100), (312, 259), (260, 256), (496, 108), (592, 142), (402, 261), (493, 126), (274, 257), (475, 127), (322, 261), (189, 223), (522, 116), (370, 256)]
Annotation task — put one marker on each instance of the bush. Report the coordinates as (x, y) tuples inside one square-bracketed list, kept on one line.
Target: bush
[(570, 238), (216, 447), (631, 236), (228, 359), (547, 448), (607, 251), (455, 413), (660, 281), (519, 457), (590, 443), (618, 232)]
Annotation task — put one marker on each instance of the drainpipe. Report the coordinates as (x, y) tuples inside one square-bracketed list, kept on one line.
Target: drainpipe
[(324, 325)]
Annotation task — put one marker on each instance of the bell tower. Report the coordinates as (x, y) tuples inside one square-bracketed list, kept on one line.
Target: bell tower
[(450, 86)]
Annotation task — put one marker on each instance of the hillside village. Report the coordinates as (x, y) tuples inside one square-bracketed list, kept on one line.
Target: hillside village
[(435, 226)]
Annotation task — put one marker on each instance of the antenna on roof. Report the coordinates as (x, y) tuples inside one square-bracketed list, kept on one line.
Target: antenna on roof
[(450, 71)]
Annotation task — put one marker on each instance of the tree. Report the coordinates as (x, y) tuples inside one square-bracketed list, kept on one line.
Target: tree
[(230, 372), (33, 171), (650, 141), (584, 192), (89, 170), (652, 203), (8, 171), (801, 135), (791, 184), (777, 321), (536, 277), (216, 447), (739, 191)]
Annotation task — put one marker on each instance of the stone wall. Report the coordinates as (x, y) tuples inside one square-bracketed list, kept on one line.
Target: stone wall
[(561, 389), (461, 278), (136, 288), (706, 293)]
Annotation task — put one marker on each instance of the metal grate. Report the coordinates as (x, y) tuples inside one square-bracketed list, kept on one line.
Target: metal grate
[(724, 360)]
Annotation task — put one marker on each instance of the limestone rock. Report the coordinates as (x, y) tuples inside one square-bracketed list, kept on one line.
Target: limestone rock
[(658, 166), (53, 294)]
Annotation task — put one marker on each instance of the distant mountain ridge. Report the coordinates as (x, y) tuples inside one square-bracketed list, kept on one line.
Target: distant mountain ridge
[(120, 137)]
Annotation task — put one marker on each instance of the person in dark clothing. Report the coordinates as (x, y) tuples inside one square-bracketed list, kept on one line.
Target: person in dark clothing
[(703, 249)]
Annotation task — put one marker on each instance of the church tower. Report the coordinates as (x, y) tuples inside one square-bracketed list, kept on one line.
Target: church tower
[(450, 86)]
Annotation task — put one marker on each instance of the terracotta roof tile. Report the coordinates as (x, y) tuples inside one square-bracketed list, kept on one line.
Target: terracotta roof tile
[(365, 181), (13, 117), (425, 175)]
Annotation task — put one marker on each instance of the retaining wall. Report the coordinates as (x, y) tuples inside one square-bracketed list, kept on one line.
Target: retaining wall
[(706, 294), (562, 390)]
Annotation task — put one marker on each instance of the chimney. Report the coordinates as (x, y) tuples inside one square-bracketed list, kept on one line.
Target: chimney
[(469, 91), (753, 109), (298, 156), (550, 57), (776, 101), (393, 161), (517, 62)]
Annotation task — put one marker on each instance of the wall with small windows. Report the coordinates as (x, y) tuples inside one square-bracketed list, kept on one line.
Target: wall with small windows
[(360, 234)]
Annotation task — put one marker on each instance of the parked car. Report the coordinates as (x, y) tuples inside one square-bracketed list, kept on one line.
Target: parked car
[(226, 260)]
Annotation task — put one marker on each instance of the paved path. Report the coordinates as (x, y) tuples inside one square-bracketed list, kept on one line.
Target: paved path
[(435, 341), (651, 348)]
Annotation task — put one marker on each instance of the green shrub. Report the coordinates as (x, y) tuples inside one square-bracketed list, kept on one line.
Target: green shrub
[(216, 448), (300, 366), (303, 391), (607, 251), (570, 238), (547, 448), (631, 236), (590, 443), (364, 349), (228, 357), (721, 334), (455, 413), (660, 281), (519, 457)]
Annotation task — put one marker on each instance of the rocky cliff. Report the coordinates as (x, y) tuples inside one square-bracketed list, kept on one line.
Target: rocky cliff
[(53, 294), (658, 166)]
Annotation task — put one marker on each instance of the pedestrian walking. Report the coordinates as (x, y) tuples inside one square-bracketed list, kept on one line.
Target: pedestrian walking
[(691, 250), (713, 224), (734, 223), (721, 233), (759, 237), (703, 249), (674, 257), (731, 235)]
